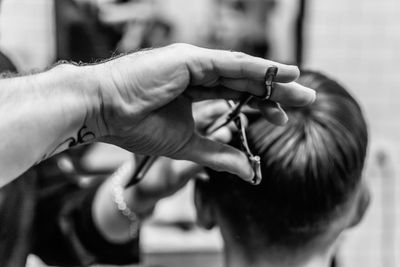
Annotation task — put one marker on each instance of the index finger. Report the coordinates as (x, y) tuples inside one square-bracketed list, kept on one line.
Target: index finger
[(229, 64)]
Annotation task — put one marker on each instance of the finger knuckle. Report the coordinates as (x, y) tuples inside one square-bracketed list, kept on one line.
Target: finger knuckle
[(181, 46), (239, 55)]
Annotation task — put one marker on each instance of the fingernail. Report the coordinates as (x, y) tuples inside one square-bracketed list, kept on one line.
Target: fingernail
[(313, 97), (307, 97), (282, 118), (251, 178), (296, 70)]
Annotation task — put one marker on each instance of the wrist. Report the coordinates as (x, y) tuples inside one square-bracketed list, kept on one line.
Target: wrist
[(73, 90), (106, 101), (84, 85)]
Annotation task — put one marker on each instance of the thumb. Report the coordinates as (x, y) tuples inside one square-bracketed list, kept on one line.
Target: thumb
[(217, 156)]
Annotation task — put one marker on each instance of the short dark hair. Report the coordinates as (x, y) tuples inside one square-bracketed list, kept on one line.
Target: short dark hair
[(311, 169)]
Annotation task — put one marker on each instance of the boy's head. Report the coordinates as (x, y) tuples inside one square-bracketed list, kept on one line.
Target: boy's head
[(312, 188)]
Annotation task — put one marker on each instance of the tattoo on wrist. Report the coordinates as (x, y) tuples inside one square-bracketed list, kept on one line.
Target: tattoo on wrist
[(83, 136)]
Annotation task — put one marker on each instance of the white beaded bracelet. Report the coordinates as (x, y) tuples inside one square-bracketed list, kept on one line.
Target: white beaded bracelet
[(119, 200)]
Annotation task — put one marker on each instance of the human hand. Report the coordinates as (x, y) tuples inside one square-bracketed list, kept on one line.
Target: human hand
[(167, 176), (145, 100)]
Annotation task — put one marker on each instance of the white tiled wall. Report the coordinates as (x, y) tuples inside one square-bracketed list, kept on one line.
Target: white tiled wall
[(358, 42)]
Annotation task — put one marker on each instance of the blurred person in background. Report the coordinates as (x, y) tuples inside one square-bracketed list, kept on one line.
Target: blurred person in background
[(140, 24), (89, 30), (240, 25)]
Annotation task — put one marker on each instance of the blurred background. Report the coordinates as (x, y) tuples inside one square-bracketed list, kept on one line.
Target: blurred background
[(357, 42)]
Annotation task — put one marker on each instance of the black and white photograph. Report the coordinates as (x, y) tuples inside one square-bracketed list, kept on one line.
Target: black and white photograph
[(199, 133)]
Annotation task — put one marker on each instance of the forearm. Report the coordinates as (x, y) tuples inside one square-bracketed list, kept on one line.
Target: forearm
[(44, 114)]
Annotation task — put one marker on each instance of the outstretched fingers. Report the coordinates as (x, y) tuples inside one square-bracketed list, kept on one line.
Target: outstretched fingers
[(240, 65), (221, 74)]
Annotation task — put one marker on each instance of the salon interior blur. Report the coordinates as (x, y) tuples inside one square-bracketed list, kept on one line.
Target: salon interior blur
[(356, 41)]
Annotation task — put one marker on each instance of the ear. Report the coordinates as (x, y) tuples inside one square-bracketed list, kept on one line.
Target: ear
[(204, 205), (363, 201)]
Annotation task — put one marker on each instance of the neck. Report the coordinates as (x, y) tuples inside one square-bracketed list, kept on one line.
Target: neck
[(236, 257)]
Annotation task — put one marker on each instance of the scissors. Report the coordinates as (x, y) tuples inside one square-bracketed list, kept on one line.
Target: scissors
[(231, 116)]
